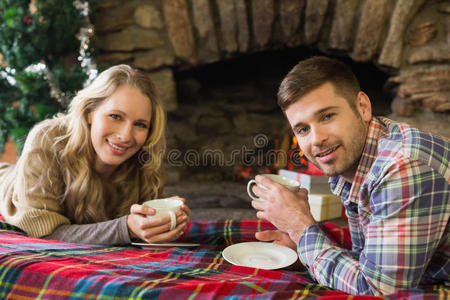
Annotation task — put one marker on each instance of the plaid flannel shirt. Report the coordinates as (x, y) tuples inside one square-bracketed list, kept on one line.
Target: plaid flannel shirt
[(398, 211)]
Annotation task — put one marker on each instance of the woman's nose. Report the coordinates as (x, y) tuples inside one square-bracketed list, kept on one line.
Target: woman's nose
[(125, 132)]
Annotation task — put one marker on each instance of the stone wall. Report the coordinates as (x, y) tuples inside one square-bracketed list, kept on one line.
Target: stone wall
[(408, 38)]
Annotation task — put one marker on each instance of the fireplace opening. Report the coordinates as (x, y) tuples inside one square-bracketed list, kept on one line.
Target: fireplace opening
[(227, 118), (228, 128)]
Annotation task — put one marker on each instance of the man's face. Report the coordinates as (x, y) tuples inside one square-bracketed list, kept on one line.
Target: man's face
[(329, 132)]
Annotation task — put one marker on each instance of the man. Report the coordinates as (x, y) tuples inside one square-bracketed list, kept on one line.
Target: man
[(393, 181)]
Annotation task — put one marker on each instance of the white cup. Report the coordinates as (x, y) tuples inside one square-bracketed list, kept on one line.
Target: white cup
[(166, 206), (291, 184)]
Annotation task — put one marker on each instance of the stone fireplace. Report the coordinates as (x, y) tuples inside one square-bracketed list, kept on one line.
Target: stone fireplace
[(217, 65), (227, 117)]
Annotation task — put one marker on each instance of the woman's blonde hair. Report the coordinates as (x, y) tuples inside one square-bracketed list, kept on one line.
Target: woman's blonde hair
[(138, 179)]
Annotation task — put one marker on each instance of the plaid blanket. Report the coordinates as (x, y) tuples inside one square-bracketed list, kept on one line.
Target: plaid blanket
[(32, 268)]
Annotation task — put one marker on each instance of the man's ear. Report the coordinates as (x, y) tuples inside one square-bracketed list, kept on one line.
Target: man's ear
[(364, 106)]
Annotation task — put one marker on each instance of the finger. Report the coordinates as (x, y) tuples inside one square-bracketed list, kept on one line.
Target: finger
[(182, 227), (142, 209), (168, 235), (153, 232), (186, 209), (266, 182), (261, 215), (135, 209), (303, 192), (181, 218), (267, 235), (258, 204), (260, 192), (179, 198), (156, 222), (161, 224)]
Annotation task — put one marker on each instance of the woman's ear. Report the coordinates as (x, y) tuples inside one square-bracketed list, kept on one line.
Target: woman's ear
[(89, 118)]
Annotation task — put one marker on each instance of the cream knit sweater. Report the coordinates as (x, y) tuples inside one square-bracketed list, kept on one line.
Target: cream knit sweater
[(37, 211)]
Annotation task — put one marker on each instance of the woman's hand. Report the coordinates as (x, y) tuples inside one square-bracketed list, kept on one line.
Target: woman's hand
[(184, 207), (156, 230)]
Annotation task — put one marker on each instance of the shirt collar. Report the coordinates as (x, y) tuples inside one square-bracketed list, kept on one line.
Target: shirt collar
[(368, 156)]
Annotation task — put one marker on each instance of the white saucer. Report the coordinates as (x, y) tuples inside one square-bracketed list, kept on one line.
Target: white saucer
[(170, 244), (260, 255)]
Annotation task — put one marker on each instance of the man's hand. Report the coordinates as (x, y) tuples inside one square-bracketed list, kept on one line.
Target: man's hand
[(155, 230), (288, 211), (277, 237)]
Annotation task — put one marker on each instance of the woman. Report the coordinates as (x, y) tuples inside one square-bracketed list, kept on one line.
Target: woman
[(82, 176)]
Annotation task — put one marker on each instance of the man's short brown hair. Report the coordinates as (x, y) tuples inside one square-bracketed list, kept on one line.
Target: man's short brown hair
[(313, 72)]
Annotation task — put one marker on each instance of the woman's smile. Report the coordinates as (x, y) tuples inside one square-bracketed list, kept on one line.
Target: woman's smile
[(116, 148)]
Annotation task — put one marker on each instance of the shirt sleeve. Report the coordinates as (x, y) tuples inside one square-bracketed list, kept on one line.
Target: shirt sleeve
[(407, 213), (112, 232)]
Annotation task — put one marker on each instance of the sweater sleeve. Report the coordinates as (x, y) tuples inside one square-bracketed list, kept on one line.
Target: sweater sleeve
[(112, 232), (33, 190)]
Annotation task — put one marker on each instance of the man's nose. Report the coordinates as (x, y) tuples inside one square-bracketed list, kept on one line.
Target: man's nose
[(319, 135)]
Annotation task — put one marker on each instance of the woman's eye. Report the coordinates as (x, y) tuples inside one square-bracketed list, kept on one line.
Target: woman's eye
[(141, 125), (115, 116)]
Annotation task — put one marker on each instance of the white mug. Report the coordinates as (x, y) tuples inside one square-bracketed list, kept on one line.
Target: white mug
[(166, 206), (291, 184)]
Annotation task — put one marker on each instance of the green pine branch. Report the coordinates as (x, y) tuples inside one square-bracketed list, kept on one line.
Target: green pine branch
[(47, 35)]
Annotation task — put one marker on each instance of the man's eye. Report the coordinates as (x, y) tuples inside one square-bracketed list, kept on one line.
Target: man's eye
[(302, 131), (115, 116), (328, 116)]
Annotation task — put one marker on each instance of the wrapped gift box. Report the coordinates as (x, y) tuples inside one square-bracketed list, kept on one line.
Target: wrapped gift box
[(325, 206), (313, 183)]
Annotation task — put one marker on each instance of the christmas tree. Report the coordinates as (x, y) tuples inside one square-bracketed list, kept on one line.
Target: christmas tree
[(42, 63)]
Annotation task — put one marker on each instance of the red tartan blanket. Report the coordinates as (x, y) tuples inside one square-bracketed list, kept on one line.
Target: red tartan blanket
[(32, 268)]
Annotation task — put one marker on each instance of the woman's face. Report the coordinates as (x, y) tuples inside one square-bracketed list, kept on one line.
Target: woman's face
[(119, 127)]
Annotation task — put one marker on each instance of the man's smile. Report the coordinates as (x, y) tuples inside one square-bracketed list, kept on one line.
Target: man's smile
[(326, 152), (327, 155)]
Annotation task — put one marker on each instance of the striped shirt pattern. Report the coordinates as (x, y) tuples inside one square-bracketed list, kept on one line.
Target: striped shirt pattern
[(398, 211)]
